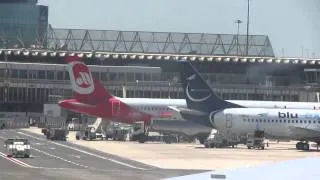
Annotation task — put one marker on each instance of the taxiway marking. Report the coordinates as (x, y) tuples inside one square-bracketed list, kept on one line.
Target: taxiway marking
[(57, 157), (85, 152)]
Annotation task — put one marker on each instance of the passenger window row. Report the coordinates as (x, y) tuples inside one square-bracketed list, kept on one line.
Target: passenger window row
[(147, 108), (280, 121)]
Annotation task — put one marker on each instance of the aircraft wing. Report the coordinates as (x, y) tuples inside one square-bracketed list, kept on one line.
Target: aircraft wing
[(193, 115), (175, 108), (187, 110), (304, 132)]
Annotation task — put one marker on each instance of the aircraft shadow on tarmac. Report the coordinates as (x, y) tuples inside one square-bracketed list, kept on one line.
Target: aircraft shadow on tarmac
[(202, 147), (266, 149)]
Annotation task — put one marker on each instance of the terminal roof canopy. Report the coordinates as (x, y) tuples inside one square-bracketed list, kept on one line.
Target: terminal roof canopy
[(144, 42), (158, 42)]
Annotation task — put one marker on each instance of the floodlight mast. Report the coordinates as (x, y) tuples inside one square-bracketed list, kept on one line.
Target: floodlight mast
[(248, 17), (238, 21)]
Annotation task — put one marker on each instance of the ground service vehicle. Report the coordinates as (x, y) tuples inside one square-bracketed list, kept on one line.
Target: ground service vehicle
[(255, 140), (220, 139), (17, 148), (91, 134), (56, 134)]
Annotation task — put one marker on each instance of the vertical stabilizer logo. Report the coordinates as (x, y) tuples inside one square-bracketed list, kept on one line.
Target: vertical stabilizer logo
[(81, 78), (84, 80), (196, 94)]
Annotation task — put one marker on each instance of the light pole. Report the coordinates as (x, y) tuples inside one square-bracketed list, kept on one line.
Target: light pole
[(238, 24), (169, 86), (137, 85), (248, 17)]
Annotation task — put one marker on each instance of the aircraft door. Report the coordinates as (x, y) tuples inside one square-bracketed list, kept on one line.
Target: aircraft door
[(115, 108), (228, 121)]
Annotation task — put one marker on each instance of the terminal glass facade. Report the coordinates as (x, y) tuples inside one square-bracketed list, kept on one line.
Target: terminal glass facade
[(26, 86), (21, 25)]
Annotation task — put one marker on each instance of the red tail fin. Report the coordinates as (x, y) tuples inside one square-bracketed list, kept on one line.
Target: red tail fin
[(85, 88)]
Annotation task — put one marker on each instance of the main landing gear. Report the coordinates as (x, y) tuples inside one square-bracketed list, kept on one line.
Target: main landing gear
[(303, 146)]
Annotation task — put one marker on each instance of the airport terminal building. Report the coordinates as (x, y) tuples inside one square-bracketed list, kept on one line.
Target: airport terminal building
[(140, 64)]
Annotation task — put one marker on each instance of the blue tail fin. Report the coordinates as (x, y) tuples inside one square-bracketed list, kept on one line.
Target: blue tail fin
[(198, 93)]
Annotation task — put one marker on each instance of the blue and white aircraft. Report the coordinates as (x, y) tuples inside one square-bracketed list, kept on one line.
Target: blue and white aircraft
[(206, 108)]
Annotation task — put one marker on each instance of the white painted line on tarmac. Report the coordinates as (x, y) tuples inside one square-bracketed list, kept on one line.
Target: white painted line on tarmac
[(57, 157), (21, 162), (16, 161), (76, 156), (88, 153)]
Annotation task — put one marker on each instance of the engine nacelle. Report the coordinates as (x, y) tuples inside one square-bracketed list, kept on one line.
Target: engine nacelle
[(212, 116)]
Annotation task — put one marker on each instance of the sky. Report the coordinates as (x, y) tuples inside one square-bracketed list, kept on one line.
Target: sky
[(293, 26)]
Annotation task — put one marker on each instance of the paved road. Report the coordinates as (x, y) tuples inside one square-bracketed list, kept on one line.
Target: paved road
[(63, 160)]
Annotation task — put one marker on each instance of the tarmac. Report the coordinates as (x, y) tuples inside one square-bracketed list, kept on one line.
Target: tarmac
[(193, 156), (119, 160), (64, 160)]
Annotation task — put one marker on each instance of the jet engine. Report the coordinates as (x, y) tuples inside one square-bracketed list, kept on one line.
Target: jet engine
[(214, 116)]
